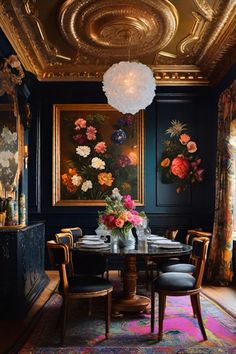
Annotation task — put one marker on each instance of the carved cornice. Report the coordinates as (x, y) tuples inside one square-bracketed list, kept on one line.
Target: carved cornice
[(85, 37), (124, 29), (221, 38)]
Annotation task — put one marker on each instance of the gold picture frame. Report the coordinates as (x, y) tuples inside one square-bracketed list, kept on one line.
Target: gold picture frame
[(96, 149)]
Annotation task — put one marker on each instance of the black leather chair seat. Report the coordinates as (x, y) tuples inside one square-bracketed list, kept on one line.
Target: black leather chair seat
[(173, 281), (83, 284), (178, 267)]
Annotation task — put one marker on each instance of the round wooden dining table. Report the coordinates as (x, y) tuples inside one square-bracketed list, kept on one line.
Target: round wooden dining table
[(130, 300)]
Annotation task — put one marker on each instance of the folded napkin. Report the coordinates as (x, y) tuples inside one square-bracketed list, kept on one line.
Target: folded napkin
[(166, 242), (167, 246), (155, 237)]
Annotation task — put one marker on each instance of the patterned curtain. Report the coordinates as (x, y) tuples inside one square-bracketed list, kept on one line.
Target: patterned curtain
[(219, 266)]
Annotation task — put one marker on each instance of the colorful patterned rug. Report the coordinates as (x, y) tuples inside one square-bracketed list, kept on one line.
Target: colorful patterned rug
[(131, 334)]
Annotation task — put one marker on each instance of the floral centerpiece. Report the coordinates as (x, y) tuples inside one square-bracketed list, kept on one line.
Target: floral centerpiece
[(120, 215), (180, 163)]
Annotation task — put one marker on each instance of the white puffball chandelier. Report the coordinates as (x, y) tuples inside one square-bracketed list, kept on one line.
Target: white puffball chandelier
[(129, 86)]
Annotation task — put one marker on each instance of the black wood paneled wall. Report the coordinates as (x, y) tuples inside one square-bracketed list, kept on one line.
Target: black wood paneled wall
[(197, 107)]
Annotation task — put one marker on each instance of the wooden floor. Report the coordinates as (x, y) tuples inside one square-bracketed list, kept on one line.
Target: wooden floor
[(225, 297), (13, 333)]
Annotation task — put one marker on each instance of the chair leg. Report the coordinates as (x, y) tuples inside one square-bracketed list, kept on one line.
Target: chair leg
[(64, 319), (193, 307), (108, 314), (162, 305), (152, 308), (195, 300)]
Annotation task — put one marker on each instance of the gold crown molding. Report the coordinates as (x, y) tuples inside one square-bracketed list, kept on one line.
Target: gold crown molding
[(176, 75), (33, 13), (185, 56), (197, 30), (220, 40), (205, 9), (26, 49), (122, 29)]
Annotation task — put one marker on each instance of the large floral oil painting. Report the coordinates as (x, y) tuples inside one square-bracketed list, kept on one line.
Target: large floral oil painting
[(96, 149)]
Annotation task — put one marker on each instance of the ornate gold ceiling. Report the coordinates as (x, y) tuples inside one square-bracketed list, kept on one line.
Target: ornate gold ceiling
[(184, 42)]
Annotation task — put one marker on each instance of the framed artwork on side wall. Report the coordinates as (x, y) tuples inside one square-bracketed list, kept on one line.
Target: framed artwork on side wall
[(96, 149)]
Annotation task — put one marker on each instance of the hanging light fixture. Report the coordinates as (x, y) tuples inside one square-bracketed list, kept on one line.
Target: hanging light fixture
[(129, 86)]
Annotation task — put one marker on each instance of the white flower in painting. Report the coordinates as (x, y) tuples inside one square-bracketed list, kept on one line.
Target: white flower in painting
[(83, 150), (76, 180), (5, 156), (176, 128), (97, 163), (116, 194), (87, 185), (8, 136)]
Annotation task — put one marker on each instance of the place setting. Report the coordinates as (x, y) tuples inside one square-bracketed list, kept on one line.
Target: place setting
[(92, 242), (166, 243)]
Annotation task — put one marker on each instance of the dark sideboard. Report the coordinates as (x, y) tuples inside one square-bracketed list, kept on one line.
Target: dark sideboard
[(22, 275)]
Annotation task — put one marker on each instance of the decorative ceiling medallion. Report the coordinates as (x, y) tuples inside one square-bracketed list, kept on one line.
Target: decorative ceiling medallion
[(125, 29)]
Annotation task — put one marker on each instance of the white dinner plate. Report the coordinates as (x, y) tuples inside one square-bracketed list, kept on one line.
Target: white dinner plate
[(94, 246), (155, 238), (91, 238), (91, 242)]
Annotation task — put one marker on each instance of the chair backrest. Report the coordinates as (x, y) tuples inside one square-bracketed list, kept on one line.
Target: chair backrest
[(191, 234), (198, 258), (64, 237), (59, 256), (171, 233), (76, 232)]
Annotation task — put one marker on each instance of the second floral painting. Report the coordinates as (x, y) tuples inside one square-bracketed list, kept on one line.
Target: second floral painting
[(96, 149)]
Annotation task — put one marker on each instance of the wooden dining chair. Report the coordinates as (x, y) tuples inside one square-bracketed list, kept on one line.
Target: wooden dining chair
[(183, 267), (77, 287), (82, 263), (76, 232), (181, 284), (66, 238), (152, 263), (191, 234)]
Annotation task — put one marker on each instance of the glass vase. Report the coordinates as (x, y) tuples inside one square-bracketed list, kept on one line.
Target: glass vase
[(125, 241)]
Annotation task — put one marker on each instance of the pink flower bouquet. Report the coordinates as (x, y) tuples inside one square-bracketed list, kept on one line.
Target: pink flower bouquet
[(120, 214)]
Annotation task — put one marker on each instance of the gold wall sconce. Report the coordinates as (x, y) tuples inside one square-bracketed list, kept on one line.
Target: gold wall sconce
[(26, 156)]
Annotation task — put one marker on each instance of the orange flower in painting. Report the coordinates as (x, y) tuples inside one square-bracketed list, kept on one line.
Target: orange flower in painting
[(180, 167), (179, 163), (105, 179), (133, 158), (67, 180), (126, 187), (184, 139), (165, 162)]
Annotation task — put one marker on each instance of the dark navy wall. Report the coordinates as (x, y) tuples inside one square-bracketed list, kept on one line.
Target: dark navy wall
[(196, 106)]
